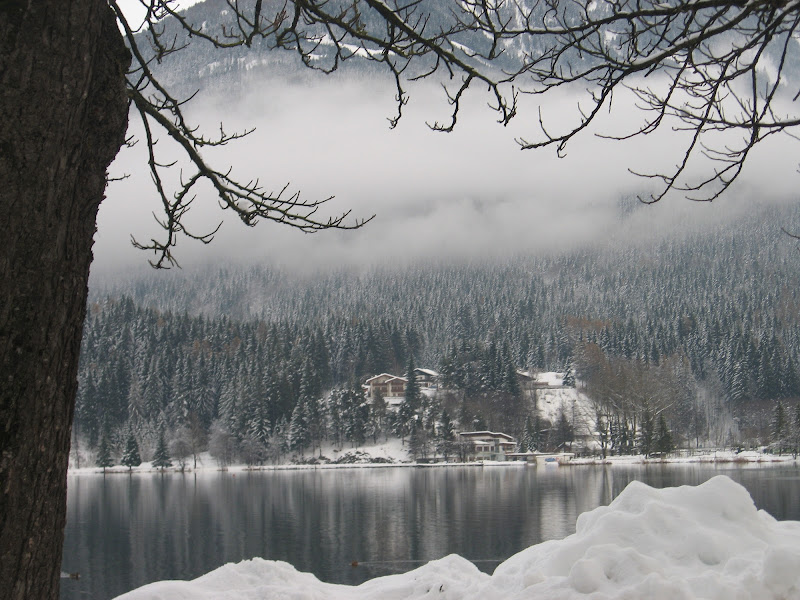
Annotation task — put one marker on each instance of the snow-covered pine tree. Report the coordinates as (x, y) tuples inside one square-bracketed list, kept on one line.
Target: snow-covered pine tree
[(161, 456), (104, 459), (525, 440), (356, 415), (796, 430), (377, 416), (569, 376), (335, 412), (412, 393), (779, 427), (403, 420), (130, 457), (510, 383), (298, 428), (664, 443), (415, 440), (446, 435)]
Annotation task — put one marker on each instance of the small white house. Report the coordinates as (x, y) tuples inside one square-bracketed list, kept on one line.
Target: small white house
[(487, 445), (427, 378)]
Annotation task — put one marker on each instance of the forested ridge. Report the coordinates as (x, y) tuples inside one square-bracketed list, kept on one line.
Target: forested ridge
[(245, 346)]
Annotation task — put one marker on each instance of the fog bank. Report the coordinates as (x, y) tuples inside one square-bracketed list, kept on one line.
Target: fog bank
[(470, 193)]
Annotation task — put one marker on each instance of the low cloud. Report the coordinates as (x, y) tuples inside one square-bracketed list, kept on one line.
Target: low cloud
[(471, 193)]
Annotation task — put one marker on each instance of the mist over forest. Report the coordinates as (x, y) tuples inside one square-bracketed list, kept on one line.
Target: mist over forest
[(480, 261)]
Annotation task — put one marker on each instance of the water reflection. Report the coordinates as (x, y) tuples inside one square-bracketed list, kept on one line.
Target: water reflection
[(125, 531)]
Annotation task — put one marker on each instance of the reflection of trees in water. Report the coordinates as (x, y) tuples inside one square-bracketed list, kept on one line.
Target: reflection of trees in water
[(124, 531)]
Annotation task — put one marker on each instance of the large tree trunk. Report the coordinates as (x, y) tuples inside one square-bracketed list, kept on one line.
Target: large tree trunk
[(63, 116)]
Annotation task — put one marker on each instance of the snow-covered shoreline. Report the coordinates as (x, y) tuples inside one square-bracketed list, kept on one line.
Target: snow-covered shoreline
[(209, 465), (716, 457)]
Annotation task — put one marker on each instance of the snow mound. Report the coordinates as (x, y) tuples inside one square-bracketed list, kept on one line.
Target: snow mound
[(688, 542), (449, 578), (706, 542)]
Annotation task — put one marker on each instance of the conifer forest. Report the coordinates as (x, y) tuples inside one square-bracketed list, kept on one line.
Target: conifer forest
[(694, 334)]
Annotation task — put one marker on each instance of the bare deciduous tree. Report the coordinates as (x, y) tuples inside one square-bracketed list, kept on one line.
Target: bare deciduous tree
[(717, 69)]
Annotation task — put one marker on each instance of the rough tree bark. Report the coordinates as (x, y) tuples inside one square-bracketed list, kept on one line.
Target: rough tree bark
[(63, 116)]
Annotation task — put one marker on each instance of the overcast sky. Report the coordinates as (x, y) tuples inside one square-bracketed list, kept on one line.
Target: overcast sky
[(469, 193), (135, 11)]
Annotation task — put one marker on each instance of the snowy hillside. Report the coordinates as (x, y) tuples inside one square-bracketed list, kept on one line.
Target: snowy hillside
[(677, 543), (550, 401), (555, 398)]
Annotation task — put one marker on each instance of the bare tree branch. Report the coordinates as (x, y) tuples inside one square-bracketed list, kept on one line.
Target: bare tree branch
[(716, 69)]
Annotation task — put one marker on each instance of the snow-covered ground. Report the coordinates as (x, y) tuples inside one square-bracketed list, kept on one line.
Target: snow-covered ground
[(550, 401), (707, 542), (392, 453), (392, 450), (554, 398), (709, 456)]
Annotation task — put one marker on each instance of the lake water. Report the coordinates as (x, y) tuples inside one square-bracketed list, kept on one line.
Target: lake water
[(125, 531)]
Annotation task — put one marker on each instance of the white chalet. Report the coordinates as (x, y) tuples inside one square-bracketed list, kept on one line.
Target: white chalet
[(487, 445), (393, 387), (427, 379)]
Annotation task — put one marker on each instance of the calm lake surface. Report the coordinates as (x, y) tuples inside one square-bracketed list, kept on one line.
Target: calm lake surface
[(125, 531)]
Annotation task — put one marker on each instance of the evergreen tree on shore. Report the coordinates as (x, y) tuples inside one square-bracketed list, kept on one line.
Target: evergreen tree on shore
[(796, 431), (447, 436), (131, 456), (161, 457), (664, 443), (104, 459)]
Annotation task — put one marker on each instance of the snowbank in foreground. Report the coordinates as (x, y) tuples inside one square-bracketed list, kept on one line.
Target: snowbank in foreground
[(677, 543)]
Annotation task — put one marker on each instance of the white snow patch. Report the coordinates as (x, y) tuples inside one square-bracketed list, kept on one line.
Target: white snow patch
[(391, 449), (574, 403), (552, 379), (708, 541)]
